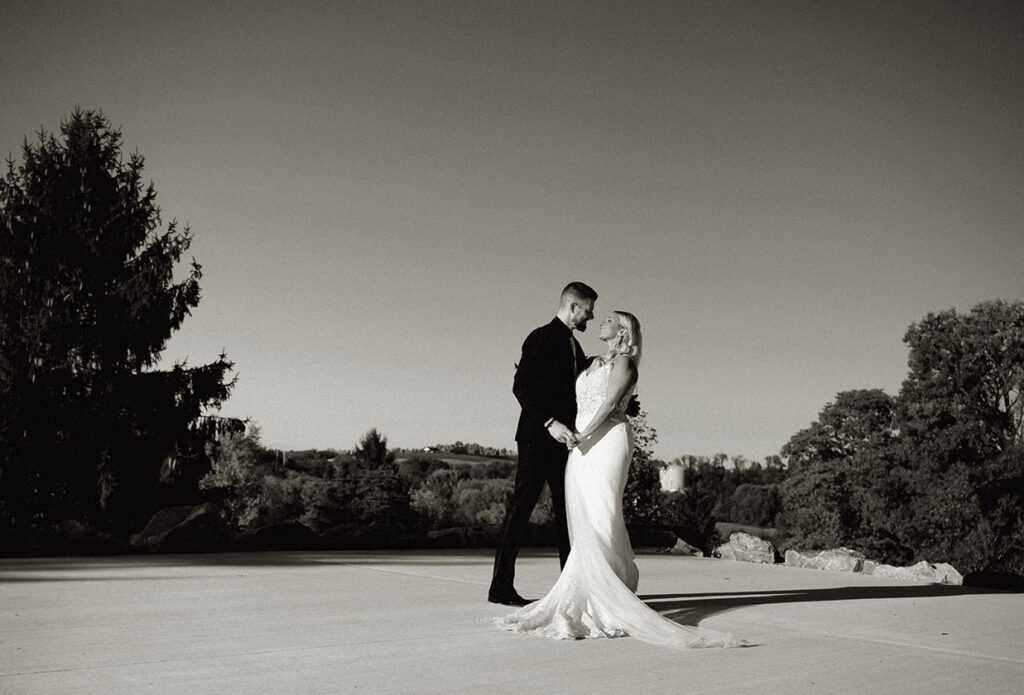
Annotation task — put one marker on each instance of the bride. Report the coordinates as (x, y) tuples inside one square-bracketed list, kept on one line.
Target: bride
[(595, 593)]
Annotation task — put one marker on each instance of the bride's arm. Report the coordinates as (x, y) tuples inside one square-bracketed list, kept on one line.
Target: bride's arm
[(622, 377)]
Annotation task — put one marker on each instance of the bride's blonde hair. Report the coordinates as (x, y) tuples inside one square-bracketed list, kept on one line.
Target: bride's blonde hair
[(630, 341)]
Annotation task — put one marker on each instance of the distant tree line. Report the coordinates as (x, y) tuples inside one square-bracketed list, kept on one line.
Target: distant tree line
[(472, 450), (366, 494), (370, 494)]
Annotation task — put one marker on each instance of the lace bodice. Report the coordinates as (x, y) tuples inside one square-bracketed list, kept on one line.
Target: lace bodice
[(592, 389)]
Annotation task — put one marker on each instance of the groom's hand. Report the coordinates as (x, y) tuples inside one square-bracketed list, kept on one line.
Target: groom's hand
[(559, 432)]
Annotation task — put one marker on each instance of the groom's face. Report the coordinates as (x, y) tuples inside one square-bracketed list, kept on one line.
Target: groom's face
[(582, 312)]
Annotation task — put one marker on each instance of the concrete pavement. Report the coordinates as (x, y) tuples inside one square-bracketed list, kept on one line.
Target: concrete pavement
[(415, 622)]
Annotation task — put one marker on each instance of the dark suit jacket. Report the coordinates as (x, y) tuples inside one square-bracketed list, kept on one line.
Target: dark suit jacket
[(545, 383)]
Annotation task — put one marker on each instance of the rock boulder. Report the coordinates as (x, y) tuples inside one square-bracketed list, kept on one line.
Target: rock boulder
[(746, 548), (835, 560), (683, 548), (923, 571)]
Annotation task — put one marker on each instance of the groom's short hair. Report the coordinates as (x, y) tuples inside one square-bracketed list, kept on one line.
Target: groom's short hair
[(577, 292)]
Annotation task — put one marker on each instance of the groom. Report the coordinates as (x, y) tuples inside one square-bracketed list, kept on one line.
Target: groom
[(544, 385)]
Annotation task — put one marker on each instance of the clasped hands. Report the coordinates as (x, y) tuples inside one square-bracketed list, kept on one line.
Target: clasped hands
[(571, 438), (564, 435)]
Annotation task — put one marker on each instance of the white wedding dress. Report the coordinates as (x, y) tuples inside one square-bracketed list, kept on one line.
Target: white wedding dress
[(594, 595)]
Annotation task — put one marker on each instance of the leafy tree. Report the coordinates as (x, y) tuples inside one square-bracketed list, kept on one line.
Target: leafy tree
[(88, 300), (481, 501), (709, 478), (327, 503), (433, 499), (415, 470), (281, 499), (960, 459), (642, 498), (754, 504), (715, 491), (382, 498), (856, 420), (826, 471), (938, 472), (243, 481), (372, 452), (315, 462), (236, 474), (964, 396), (502, 468)]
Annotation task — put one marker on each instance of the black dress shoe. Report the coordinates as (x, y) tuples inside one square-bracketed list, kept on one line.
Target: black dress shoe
[(512, 599)]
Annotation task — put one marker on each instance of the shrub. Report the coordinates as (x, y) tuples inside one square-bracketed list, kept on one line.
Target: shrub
[(327, 504), (483, 502), (494, 469), (433, 499), (756, 505), (280, 500), (236, 474), (415, 470)]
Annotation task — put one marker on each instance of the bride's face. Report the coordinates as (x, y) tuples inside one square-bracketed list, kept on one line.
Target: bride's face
[(610, 328)]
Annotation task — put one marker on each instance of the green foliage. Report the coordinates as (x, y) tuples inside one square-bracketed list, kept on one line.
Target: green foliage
[(965, 391), (959, 455), (433, 498), (88, 300), (856, 420), (504, 468), (716, 488), (372, 452), (472, 497), (690, 516), (481, 501), (415, 470), (756, 505), (281, 499), (472, 449), (237, 469), (449, 498), (382, 499), (242, 479), (642, 498), (313, 462), (827, 469), (937, 472), (327, 503)]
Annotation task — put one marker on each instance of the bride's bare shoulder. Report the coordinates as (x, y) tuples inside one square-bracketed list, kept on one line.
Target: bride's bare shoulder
[(624, 362)]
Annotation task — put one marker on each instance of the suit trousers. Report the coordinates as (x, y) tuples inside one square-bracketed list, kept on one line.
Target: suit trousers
[(539, 463)]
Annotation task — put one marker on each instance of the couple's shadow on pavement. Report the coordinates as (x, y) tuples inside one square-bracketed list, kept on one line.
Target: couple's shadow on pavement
[(690, 609)]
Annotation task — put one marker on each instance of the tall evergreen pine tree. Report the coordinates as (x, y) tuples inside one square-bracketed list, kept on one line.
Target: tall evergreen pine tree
[(88, 300)]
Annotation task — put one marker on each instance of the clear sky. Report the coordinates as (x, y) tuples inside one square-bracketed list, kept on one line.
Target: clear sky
[(387, 197)]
